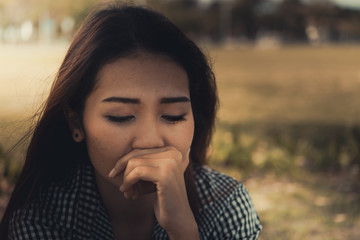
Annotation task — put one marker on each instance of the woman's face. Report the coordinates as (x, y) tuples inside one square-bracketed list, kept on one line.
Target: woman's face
[(139, 102)]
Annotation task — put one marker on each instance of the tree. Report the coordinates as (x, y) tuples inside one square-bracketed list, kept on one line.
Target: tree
[(245, 18), (291, 15)]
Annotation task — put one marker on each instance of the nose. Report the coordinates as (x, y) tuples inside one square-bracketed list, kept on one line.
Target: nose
[(148, 134)]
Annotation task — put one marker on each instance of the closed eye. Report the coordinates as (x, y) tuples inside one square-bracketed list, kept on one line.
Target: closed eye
[(120, 119), (174, 118)]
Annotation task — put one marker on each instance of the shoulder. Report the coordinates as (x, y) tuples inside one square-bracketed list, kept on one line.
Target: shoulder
[(213, 185), (227, 210), (54, 211)]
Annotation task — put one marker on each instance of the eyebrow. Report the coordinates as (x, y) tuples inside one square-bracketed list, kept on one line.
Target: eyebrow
[(122, 100), (165, 100), (174, 100)]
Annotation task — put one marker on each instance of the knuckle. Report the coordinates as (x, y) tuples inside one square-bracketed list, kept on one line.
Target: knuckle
[(170, 164), (176, 154), (179, 155), (130, 163), (134, 162), (138, 171), (165, 173)]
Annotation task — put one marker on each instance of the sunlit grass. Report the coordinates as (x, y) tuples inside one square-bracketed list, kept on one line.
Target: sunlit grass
[(291, 84)]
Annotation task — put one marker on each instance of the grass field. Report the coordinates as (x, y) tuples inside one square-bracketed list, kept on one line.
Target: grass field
[(291, 84), (288, 127)]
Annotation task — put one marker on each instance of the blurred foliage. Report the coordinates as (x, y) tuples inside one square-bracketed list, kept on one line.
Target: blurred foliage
[(287, 148), (12, 149)]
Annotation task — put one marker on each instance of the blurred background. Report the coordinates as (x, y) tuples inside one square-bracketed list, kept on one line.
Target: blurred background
[(288, 73)]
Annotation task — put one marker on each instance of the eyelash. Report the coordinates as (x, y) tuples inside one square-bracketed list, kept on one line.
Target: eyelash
[(174, 118), (123, 119), (120, 119)]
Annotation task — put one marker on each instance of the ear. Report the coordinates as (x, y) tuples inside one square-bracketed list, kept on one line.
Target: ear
[(75, 125)]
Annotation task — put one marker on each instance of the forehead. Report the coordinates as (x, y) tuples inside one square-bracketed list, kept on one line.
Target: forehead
[(143, 72)]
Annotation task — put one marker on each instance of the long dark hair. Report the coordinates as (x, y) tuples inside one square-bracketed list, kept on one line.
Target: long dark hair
[(108, 34)]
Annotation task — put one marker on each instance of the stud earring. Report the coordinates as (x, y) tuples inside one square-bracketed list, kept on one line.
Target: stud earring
[(77, 136)]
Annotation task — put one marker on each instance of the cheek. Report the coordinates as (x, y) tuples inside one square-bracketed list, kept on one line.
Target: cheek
[(182, 137), (99, 149), (105, 146), (189, 134)]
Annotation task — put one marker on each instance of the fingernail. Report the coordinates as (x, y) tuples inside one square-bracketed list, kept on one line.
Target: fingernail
[(112, 173), (121, 188)]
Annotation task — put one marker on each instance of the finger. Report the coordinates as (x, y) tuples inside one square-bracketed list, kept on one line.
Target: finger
[(118, 168), (165, 153), (172, 156), (141, 152), (144, 173), (131, 193), (120, 165), (137, 162), (127, 194), (137, 190)]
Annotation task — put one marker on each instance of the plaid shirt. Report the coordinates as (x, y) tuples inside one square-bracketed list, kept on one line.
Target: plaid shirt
[(73, 210)]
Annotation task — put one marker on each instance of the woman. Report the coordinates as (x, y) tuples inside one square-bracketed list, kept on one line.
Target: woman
[(120, 146)]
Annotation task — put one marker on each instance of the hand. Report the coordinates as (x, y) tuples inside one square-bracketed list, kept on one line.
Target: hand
[(160, 170)]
